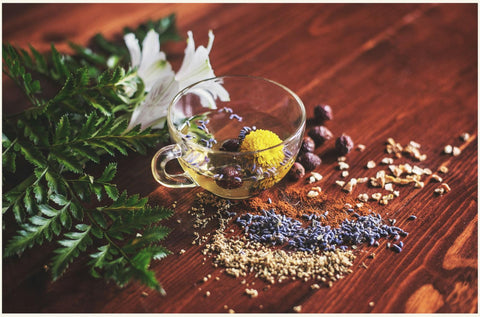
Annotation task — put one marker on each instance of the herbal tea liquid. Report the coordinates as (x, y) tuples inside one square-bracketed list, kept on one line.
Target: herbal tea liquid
[(232, 176)]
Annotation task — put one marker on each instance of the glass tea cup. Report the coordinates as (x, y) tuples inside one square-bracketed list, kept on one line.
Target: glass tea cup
[(208, 120)]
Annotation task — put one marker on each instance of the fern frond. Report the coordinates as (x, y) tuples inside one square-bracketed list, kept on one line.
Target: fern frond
[(75, 243)]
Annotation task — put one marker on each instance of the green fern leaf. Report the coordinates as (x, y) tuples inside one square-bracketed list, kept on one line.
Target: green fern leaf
[(31, 154), (75, 243), (61, 71), (111, 191), (62, 131), (109, 173), (39, 60), (66, 159), (35, 230)]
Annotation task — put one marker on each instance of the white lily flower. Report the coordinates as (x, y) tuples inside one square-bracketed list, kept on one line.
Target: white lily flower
[(151, 63), (164, 84), (196, 67)]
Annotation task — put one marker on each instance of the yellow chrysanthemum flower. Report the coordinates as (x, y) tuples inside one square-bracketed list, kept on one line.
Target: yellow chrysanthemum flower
[(263, 139)]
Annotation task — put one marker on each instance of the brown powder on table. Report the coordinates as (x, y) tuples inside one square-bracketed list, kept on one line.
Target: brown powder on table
[(292, 201)]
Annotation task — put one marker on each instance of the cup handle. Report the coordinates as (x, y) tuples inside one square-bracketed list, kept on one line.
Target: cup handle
[(159, 162)]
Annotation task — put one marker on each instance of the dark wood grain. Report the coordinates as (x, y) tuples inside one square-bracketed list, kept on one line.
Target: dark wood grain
[(407, 71)]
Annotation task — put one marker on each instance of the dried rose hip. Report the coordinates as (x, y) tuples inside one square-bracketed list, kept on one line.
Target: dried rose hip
[(308, 145), (229, 178), (322, 113), (296, 172), (320, 134), (344, 144), (230, 145), (309, 161)]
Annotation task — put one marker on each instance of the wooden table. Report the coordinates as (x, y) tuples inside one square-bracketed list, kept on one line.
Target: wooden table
[(406, 71)]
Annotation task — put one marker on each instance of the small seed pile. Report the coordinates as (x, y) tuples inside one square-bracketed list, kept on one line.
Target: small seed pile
[(206, 209), (240, 256)]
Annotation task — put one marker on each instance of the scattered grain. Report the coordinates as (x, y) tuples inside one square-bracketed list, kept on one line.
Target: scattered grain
[(361, 147), (464, 136), (182, 251), (343, 166), (443, 169), (371, 304), (387, 160), (445, 187), (317, 188), (389, 187), (207, 293), (297, 309), (419, 184), (413, 150), (144, 294), (315, 286), (349, 186), (456, 151), (439, 191), (344, 174), (362, 180), (448, 149), (437, 178), (371, 164), (251, 292), (340, 183), (376, 196), (312, 194), (363, 197), (316, 176)]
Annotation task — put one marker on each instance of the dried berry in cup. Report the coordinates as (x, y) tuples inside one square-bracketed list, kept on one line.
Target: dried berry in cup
[(230, 145), (309, 161), (322, 113), (344, 144), (308, 145), (296, 172), (229, 178), (320, 134)]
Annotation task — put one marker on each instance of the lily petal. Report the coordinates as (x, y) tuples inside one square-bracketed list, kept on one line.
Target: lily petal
[(133, 48), (196, 67), (153, 109)]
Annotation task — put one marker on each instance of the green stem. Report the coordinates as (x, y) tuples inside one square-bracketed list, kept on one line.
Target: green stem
[(100, 138), (11, 145)]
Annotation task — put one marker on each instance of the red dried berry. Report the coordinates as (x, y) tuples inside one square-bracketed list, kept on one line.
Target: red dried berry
[(296, 172), (320, 134), (309, 160), (308, 145), (230, 145), (322, 113), (229, 178), (344, 144)]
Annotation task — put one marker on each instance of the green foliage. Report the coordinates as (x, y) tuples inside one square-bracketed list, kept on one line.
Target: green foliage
[(59, 137)]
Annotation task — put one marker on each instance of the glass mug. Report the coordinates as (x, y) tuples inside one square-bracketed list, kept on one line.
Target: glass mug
[(201, 121)]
